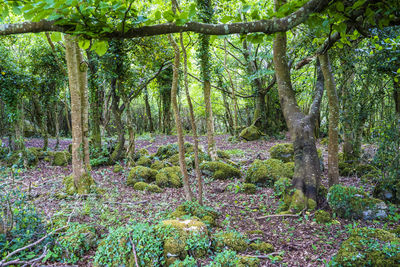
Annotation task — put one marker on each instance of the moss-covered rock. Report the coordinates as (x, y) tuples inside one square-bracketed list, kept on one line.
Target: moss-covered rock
[(346, 169), (353, 203), (220, 170), (167, 151), (250, 133), (289, 166), (173, 160), (223, 155), (372, 177), (298, 202), (194, 209), (283, 152), (263, 247), (362, 169), (61, 158), (153, 188), (143, 161), (265, 173), (82, 187), (230, 240), (118, 168), (322, 216), (140, 186), (247, 261), (369, 247), (169, 177), (158, 165), (249, 188), (141, 174), (388, 189)]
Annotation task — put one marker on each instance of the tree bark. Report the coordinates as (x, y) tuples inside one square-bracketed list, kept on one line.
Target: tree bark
[(333, 102), (235, 112), (77, 70), (148, 110), (174, 91)]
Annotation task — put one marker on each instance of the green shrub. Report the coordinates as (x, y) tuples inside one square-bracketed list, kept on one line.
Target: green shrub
[(226, 258), (116, 249), (187, 262)]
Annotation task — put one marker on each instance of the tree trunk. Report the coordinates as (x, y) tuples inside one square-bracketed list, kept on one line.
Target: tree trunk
[(194, 127), (148, 110), (78, 89), (333, 147), (119, 149), (174, 91), (235, 112), (396, 96), (307, 171)]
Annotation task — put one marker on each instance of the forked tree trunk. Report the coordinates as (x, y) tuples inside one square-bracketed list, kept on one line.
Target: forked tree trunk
[(333, 147), (174, 91), (194, 127), (307, 173), (77, 70)]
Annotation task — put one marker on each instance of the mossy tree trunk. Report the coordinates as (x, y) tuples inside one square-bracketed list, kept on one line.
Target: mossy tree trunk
[(77, 76), (396, 96), (235, 111), (148, 110), (307, 173), (174, 91), (205, 14), (193, 125), (333, 102)]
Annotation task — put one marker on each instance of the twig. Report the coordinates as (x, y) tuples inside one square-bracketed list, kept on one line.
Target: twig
[(281, 215), (27, 263), (262, 256), (127, 203), (29, 246), (134, 251)]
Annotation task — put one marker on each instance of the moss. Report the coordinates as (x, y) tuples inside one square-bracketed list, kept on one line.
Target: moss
[(322, 216), (388, 189), (283, 152), (255, 232), (118, 168), (194, 209), (246, 261), (144, 161), (362, 169), (167, 151), (295, 202), (372, 177), (369, 247), (83, 187), (249, 188), (158, 165), (140, 186), (250, 133), (220, 170), (230, 240), (141, 174), (169, 177), (289, 166), (263, 247), (353, 203), (174, 160), (324, 141), (345, 169), (265, 173), (154, 188), (61, 158), (223, 155), (69, 187), (396, 231)]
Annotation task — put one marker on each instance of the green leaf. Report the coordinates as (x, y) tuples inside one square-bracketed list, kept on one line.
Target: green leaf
[(340, 6), (359, 3), (100, 47), (192, 10), (398, 71), (56, 37), (157, 15), (226, 19), (246, 8), (84, 44), (169, 15)]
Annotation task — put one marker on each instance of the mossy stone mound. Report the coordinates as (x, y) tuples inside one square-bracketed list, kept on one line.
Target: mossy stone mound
[(353, 203), (61, 158), (143, 161), (250, 133), (220, 170), (369, 247), (158, 165), (263, 247), (283, 152), (169, 177), (194, 209), (362, 169), (118, 168), (322, 216), (164, 152), (140, 186), (248, 188), (230, 240), (223, 155), (141, 174), (176, 243), (265, 173)]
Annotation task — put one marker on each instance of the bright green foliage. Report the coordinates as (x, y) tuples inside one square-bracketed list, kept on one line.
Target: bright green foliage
[(169, 177), (368, 247), (73, 243), (227, 258), (141, 174), (116, 248), (282, 187), (220, 170), (230, 240), (353, 203), (187, 262), (265, 173), (283, 152), (322, 216)]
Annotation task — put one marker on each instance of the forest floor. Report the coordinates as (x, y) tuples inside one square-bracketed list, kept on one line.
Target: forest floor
[(300, 241)]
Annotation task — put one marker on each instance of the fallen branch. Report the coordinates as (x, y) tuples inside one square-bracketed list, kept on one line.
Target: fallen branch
[(262, 256), (281, 215), (4, 263), (27, 263), (134, 251), (127, 203)]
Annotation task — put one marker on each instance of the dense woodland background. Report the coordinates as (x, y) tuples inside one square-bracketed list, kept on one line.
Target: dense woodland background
[(199, 133)]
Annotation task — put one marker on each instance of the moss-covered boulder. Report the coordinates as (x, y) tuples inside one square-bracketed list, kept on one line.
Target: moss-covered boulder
[(140, 186), (248, 188), (118, 168), (230, 240), (223, 155), (362, 169), (322, 216), (346, 169), (262, 247), (158, 165), (169, 177), (143, 161), (167, 151), (369, 247), (141, 174), (220, 170), (353, 203), (176, 243), (61, 158), (289, 166), (250, 133), (388, 189), (84, 185), (193, 209), (153, 188), (265, 173), (173, 160), (283, 152)]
